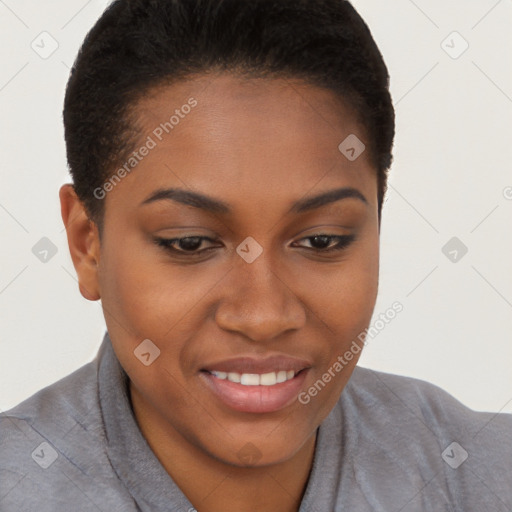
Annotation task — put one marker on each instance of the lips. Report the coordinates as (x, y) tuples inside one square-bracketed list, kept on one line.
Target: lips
[(254, 385), (252, 365)]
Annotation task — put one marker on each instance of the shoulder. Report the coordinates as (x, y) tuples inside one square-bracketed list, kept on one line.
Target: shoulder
[(402, 430), (53, 444), (56, 412), (57, 406), (398, 398)]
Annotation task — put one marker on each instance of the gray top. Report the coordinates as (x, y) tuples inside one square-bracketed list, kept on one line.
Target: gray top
[(390, 444)]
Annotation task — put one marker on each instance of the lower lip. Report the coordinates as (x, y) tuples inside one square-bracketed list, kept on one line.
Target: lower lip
[(256, 399)]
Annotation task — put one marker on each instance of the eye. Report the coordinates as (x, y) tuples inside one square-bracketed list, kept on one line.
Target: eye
[(187, 246), (323, 243), (190, 246)]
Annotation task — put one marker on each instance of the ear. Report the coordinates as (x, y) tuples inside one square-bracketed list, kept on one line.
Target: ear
[(83, 242)]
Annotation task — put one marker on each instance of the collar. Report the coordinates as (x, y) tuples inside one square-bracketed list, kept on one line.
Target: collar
[(146, 479), (130, 455)]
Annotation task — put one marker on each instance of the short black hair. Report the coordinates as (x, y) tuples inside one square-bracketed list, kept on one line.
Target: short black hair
[(137, 45)]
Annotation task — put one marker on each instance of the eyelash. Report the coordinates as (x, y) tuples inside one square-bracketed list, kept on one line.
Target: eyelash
[(168, 244)]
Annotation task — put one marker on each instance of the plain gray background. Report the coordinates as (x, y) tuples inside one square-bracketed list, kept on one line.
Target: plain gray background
[(451, 177)]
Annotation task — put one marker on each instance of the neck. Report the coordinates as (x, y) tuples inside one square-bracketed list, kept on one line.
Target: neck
[(211, 484)]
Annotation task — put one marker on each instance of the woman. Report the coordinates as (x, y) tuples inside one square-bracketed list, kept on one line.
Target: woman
[(229, 163)]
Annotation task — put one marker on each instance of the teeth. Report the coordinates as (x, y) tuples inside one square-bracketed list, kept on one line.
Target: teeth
[(268, 379), (281, 376), (255, 379), (250, 379)]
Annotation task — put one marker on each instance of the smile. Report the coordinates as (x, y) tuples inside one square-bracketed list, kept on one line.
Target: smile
[(252, 392), (255, 379)]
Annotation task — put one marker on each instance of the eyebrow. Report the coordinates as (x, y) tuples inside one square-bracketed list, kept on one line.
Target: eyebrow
[(212, 205)]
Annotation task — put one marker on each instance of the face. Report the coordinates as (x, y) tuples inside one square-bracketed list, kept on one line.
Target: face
[(242, 244)]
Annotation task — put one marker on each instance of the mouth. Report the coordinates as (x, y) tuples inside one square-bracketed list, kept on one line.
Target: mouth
[(257, 393), (256, 379)]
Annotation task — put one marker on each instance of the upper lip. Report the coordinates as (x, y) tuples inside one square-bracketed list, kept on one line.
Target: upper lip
[(261, 366)]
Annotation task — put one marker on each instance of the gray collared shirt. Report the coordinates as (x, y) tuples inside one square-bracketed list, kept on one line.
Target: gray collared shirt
[(390, 444)]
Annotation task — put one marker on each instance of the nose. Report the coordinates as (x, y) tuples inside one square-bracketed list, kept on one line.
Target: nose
[(258, 303)]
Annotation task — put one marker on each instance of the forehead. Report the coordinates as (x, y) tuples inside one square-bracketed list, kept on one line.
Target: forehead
[(262, 107), (233, 136)]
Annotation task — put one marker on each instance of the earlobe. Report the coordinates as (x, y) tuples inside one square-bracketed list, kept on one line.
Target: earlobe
[(83, 242)]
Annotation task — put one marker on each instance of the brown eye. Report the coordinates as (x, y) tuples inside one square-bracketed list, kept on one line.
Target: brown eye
[(323, 243), (185, 245), (320, 241), (191, 243)]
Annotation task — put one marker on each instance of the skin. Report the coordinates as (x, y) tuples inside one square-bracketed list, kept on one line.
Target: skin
[(259, 145)]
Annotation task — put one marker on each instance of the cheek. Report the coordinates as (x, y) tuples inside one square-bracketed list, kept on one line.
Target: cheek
[(126, 288), (130, 299), (146, 297), (138, 286), (344, 304), (344, 296)]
